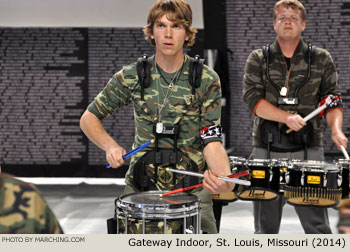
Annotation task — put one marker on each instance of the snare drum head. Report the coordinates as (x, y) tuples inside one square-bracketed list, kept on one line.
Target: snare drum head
[(148, 212), (151, 205)]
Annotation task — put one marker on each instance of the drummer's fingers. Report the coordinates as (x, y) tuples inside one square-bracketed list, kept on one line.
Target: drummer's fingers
[(208, 188), (209, 182)]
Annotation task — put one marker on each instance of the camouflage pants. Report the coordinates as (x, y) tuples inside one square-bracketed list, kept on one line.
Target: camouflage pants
[(208, 223)]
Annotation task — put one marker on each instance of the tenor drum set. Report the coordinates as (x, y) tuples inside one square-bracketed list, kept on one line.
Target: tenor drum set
[(302, 182)]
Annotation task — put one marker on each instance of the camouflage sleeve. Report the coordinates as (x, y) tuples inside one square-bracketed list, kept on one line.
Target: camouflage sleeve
[(49, 223), (23, 210), (115, 94), (211, 105), (253, 87)]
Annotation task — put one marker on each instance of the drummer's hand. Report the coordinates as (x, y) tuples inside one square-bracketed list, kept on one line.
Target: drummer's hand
[(212, 184), (295, 122), (114, 156), (339, 138)]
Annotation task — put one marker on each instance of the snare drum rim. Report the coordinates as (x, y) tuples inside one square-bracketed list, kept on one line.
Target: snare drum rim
[(154, 211)]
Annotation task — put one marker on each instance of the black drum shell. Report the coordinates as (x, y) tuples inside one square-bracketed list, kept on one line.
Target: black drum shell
[(295, 178), (344, 165)]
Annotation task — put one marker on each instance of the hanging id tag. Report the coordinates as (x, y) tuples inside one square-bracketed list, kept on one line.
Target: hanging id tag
[(159, 127), (283, 91)]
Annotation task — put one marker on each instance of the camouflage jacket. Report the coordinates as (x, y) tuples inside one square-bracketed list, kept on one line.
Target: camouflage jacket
[(191, 113), (323, 81), (23, 210)]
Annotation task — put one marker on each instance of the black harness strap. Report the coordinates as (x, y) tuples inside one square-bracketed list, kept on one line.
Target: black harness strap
[(158, 156), (143, 68), (195, 72), (309, 57)]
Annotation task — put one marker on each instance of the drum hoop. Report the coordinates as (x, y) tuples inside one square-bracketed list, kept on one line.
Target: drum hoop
[(259, 162), (313, 166), (237, 160), (148, 210)]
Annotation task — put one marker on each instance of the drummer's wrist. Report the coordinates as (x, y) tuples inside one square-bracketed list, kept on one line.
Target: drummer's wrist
[(215, 173)]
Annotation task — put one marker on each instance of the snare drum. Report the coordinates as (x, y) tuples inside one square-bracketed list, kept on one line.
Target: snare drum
[(313, 183), (344, 166), (264, 177), (148, 213)]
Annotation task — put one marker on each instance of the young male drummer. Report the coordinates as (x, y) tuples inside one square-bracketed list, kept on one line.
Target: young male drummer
[(166, 110), (278, 88)]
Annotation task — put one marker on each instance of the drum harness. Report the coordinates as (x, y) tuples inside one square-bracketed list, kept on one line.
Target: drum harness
[(160, 156), (272, 134)]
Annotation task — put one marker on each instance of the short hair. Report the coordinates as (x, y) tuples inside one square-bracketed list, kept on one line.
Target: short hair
[(175, 10), (294, 4)]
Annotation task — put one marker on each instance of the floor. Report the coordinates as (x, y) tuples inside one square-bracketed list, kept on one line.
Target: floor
[(83, 206)]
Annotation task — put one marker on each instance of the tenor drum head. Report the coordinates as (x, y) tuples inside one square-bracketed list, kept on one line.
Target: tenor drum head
[(237, 160), (259, 162), (314, 165)]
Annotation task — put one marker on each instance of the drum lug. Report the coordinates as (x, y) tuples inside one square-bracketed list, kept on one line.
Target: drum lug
[(340, 180), (271, 174), (324, 181), (287, 177), (302, 177)]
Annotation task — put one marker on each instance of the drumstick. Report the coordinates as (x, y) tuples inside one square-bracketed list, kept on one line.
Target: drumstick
[(200, 185), (132, 152), (312, 114), (346, 155), (227, 179)]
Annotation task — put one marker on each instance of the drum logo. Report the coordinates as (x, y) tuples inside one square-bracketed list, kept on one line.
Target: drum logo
[(258, 174), (314, 180)]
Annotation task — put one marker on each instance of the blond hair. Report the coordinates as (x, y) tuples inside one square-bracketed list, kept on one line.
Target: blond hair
[(294, 4)]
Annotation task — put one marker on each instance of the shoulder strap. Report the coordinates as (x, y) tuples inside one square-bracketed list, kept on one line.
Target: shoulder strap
[(195, 72), (143, 67), (266, 52), (310, 54)]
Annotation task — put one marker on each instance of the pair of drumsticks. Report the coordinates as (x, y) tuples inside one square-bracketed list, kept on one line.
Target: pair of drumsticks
[(231, 178)]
